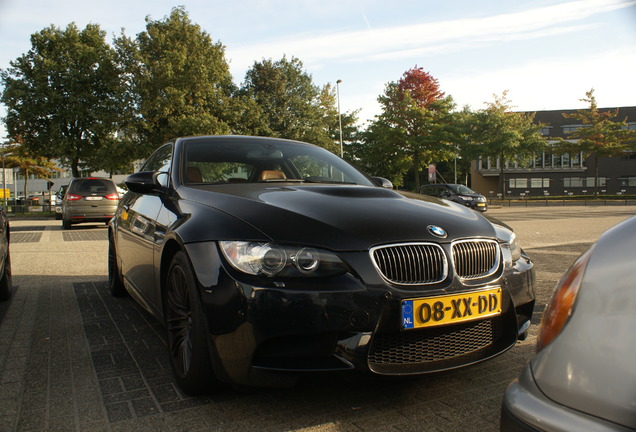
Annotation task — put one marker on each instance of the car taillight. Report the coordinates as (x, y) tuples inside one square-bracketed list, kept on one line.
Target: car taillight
[(561, 306), (113, 196), (71, 197)]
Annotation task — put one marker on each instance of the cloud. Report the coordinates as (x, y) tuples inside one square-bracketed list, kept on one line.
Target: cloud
[(541, 85), (415, 39)]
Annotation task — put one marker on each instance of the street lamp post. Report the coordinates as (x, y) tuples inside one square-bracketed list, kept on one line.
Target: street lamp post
[(339, 116)]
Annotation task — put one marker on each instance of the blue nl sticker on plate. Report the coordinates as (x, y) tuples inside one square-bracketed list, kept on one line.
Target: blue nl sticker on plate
[(407, 314)]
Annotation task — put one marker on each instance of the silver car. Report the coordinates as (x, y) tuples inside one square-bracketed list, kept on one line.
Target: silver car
[(583, 377), (89, 199)]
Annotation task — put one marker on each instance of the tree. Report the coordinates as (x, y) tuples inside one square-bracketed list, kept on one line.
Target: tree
[(415, 127), (28, 164), (498, 132), (63, 96), (600, 136), (178, 81), (289, 102)]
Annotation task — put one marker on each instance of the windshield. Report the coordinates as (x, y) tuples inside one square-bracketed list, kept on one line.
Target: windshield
[(236, 160), (463, 190)]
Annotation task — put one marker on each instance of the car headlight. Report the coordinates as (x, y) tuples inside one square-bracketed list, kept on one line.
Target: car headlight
[(509, 237), (271, 259), (515, 249)]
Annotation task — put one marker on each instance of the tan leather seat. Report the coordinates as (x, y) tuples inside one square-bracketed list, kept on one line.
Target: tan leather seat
[(272, 175), (193, 175)]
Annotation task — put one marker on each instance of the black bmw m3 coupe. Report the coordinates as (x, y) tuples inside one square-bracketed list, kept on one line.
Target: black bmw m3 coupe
[(267, 258)]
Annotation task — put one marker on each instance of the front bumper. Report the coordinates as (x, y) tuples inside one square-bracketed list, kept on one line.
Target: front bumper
[(341, 323), (526, 409)]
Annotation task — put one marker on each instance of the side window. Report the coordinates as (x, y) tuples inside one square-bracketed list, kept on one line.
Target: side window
[(160, 160)]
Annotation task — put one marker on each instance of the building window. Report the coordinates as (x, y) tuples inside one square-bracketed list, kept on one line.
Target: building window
[(566, 160), (628, 181), (590, 181), (583, 182), (518, 183), (571, 128), (547, 161), (540, 183)]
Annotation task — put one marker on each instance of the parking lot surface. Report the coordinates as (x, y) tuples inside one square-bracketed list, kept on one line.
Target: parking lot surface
[(73, 358)]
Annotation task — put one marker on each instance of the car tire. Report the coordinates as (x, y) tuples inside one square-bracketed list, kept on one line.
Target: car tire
[(66, 224), (187, 330), (6, 286), (115, 284)]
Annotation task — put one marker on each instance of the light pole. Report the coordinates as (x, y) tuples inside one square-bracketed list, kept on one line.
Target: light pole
[(339, 116)]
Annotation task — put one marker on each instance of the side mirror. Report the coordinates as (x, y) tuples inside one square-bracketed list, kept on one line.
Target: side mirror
[(382, 182), (144, 182)]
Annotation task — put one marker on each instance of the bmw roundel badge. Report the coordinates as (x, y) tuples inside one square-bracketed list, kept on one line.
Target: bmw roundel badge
[(437, 231)]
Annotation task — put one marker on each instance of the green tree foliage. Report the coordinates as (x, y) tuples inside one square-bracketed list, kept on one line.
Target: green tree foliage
[(289, 102), (63, 97), (413, 130), (178, 81), (499, 133), (600, 136), (28, 164)]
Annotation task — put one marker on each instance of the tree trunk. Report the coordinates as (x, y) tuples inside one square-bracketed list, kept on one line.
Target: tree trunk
[(416, 171), (75, 168), (596, 185), (26, 183), (502, 176)]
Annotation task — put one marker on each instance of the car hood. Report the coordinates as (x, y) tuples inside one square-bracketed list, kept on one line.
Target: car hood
[(340, 217)]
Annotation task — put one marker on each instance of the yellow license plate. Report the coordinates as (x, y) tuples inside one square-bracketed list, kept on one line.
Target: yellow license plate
[(450, 309), (481, 204)]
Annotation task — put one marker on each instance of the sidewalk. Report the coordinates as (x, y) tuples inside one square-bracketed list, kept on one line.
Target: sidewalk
[(48, 382)]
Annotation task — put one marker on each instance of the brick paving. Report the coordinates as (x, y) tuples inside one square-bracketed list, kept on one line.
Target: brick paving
[(73, 358)]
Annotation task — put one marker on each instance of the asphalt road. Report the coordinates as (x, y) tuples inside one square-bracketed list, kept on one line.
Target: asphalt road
[(73, 358)]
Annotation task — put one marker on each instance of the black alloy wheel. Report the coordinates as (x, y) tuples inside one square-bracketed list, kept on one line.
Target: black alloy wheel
[(187, 332), (115, 283)]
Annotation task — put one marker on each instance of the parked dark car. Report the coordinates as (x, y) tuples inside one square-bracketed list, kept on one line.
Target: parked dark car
[(457, 193), (583, 377), (5, 258), (266, 258), (89, 199)]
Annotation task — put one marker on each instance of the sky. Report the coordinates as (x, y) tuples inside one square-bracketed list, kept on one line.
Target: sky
[(545, 53)]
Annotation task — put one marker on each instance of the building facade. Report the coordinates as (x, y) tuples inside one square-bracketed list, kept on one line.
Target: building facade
[(551, 173)]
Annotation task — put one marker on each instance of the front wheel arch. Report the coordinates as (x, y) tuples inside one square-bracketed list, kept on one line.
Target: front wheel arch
[(187, 331)]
